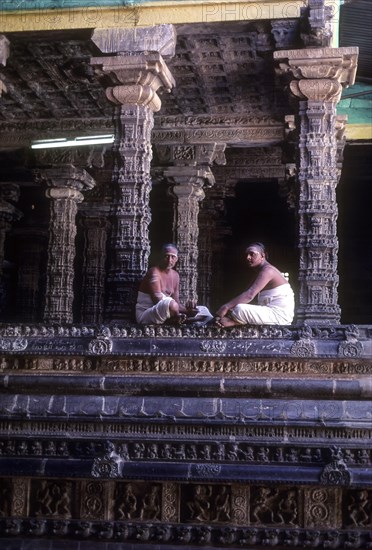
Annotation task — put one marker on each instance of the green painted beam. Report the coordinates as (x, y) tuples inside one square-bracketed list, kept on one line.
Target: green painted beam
[(356, 103)]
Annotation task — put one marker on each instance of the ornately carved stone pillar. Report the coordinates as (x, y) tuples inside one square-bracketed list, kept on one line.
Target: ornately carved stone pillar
[(9, 194), (189, 174), (65, 184), (140, 70), (95, 231), (187, 189), (318, 76), (4, 54), (31, 245)]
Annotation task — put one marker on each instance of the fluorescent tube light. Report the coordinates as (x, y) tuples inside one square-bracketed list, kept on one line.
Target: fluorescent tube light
[(78, 141)]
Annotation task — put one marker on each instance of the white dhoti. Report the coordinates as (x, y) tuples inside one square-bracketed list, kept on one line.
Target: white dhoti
[(148, 313), (275, 307)]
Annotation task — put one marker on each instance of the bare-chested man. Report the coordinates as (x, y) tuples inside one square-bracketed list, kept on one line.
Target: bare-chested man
[(274, 295), (158, 296)]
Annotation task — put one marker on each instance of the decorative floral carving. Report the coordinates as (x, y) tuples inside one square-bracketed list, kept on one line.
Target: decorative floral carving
[(214, 346), (336, 472), (18, 344), (303, 348), (100, 346)]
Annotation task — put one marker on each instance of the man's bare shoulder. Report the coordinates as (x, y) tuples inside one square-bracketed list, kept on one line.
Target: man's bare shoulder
[(268, 268), (269, 272)]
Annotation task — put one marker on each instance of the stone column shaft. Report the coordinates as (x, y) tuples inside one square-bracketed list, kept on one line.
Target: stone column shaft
[(9, 194), (130, 219), (319, 75), (65, 183), (61, 254), (187, 189), (31, 250), (188, 175), (95, 232)]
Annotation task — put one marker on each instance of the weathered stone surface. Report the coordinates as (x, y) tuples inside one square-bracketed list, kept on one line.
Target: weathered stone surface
[(161, 39)]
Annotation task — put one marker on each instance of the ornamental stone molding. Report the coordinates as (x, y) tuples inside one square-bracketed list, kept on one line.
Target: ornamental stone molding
[(188, 154)]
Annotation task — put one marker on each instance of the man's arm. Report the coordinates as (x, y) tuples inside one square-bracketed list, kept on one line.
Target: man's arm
[(153, 286), (189, 308), (262, 280)]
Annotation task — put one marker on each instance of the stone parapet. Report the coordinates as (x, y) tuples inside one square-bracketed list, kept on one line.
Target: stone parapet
[(190, 437), (303, 342)]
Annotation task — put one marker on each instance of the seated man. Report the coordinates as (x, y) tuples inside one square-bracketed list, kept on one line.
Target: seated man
[(274, 295), (158, 296)]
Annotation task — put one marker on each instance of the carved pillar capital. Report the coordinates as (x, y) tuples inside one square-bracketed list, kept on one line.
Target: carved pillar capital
[(64, 193), (141, 71), (319, 74), (66, 176), (70, 158), (321, 90), (189, 180)]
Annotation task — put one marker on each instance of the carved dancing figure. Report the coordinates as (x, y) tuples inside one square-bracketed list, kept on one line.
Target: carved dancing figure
[(360, 509), (222, 505), (275, 297), (263, 509), (128, 506), (151, 505), (158, 295), (200, 506)]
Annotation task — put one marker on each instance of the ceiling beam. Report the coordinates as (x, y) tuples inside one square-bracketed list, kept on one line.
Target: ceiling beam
[(81, 14)]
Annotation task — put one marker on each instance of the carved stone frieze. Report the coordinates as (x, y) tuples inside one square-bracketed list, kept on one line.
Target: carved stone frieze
[(205, 513), (252, 136), (174, 365)]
